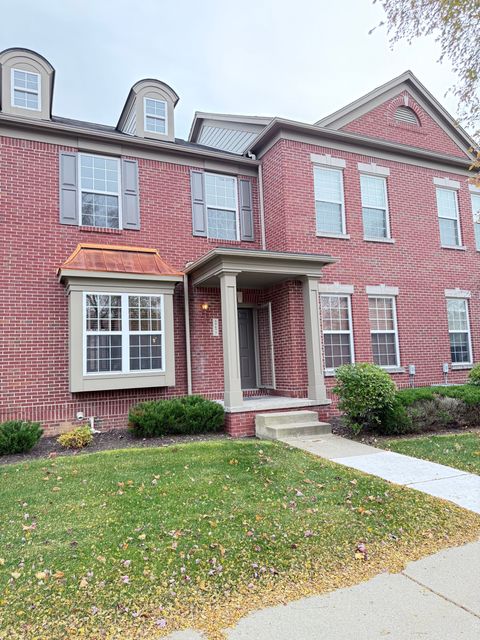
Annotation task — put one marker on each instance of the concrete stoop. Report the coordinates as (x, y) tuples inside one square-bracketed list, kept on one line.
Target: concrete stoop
[(289, 424)]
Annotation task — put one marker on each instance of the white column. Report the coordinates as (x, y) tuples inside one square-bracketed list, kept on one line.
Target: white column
[(316, 380), (233, 395)]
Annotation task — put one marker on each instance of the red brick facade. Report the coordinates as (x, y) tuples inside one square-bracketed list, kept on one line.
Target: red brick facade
[(34, 333)]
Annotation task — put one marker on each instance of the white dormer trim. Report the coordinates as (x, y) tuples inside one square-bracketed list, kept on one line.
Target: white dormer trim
[(373, 169), (446, 182), (328, 161), (381, 290), (336, 287), (458, 293)]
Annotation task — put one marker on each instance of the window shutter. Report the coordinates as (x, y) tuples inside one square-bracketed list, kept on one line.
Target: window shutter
[(68, 188), (246, 210), (130, 199), (199, 212)]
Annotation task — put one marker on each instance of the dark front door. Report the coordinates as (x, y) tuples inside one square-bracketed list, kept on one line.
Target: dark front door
[(246, 339)]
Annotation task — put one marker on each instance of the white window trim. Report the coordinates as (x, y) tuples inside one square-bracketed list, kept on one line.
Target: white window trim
[(328, 161), (331, 371), (236, 210), (37, 93), (473, 188), (457, 218), (328, 234), (381, 291), (446, 183), (460, 365), (373, 169), (458, 293), (336, 287), (150, 115), (475, 194), (397, 365), (387, 212), (96, 191), (125, 333)]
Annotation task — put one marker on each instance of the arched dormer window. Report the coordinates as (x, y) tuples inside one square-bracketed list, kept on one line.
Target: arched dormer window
[(149, 111), (27, 84), (406, 115)]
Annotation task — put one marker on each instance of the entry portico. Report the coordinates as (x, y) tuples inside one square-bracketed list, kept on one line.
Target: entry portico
[(290, 281)]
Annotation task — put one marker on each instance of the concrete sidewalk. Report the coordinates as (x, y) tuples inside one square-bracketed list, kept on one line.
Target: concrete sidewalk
[(437, 598), (438, 480)]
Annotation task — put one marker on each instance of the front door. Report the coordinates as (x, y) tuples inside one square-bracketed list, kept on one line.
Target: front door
[(246, 339)]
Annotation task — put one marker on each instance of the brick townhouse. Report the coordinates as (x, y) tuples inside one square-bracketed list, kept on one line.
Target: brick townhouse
[(244, 264)]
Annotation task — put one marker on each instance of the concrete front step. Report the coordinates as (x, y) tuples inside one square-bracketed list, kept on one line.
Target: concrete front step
[(279, 425)]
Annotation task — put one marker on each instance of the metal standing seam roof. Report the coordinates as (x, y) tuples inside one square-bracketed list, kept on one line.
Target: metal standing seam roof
[(118, 259)]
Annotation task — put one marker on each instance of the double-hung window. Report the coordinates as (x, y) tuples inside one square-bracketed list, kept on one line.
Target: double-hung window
[(376, 224), (459, 331), (329, 201), (26, 89), (383, 330), (336, 316), (99, 191), (222, 206), (155, 115), (476, 217), (123, 333), (447, 207)]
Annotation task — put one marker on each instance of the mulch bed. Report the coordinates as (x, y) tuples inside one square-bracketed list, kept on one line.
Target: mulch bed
[(115, 439)]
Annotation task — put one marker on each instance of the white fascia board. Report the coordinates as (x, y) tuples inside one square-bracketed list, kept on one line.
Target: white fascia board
[(446, 182), (373, 169), (336, 287), (381, 290), (458, 293), (328, 161)]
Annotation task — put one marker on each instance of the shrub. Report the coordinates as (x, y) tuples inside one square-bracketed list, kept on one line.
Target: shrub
[(366, 395), (474, 375), (17, 436), (186, 415), (76, 439), (395, 421), (468, 393)]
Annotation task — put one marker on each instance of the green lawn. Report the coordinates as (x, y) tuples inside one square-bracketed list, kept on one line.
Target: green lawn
[(136, 543), (461, 451)]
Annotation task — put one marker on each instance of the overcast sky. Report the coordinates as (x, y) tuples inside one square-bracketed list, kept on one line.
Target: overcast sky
[(299, 59)]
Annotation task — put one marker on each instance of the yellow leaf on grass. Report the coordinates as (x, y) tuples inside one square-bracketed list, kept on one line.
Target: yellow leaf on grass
[(15, 575), (83, 583)]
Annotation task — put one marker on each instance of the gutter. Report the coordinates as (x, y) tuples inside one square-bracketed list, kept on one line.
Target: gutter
[(280, 126), (119, 138)]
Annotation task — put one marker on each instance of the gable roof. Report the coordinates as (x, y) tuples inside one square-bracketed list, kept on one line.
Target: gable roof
[(228, 132), (406, 81)]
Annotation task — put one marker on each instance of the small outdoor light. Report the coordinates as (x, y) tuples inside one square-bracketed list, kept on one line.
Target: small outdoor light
[(205, 306)]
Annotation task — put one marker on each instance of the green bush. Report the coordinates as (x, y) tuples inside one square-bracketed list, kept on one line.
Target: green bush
[(366, 395), (474, 375), (185, 415), (17, 436), (77, 438), (395, 421), (468, 393)]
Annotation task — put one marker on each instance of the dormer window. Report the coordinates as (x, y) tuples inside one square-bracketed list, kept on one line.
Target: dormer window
[(406, 115), (26, 84), (25, 89), (155, 115), (149, 111)]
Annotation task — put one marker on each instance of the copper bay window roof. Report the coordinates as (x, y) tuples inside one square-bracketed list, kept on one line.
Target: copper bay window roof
[(116, 259)]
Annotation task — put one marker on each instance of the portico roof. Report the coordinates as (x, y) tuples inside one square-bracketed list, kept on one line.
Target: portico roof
[(255, 268)]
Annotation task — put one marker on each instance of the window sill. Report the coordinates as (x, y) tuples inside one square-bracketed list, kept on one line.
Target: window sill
[(329, 373), (384, 240), (454, 247), (100, 230), (394, 369), (461, 367), (114, 381), (336, 236)]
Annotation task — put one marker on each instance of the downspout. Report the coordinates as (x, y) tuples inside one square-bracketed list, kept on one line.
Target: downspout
[(262, 210), (186, 303)]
